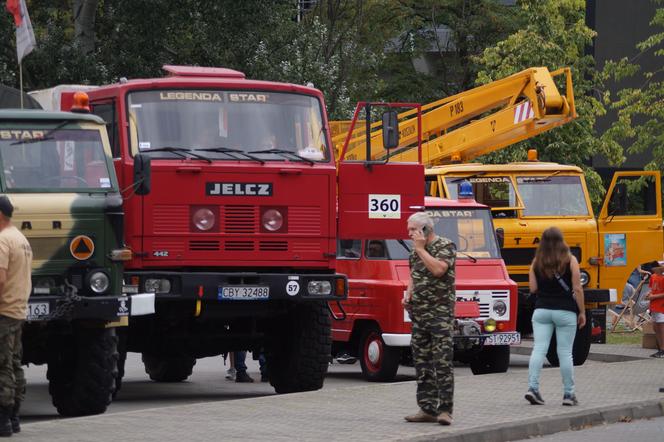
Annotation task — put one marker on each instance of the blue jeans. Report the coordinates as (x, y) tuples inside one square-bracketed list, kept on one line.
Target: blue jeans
[(544, 323)]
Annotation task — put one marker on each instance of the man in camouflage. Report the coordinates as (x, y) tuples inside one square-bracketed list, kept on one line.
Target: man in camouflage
[(15, 288), (430, 301)]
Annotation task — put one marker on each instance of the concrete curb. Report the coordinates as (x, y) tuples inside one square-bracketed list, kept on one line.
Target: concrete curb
[(599, 357), (533, 427)]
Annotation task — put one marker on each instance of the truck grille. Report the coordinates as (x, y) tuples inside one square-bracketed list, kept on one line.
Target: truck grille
[(239, 219), (274, 246), (486, 298), (203, 245)]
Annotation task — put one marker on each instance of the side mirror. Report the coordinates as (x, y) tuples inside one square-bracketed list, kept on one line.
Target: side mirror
[(142, 174), (500, 236), (390, 129)]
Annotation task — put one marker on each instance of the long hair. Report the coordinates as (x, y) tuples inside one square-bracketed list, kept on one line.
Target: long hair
[(552, 254)]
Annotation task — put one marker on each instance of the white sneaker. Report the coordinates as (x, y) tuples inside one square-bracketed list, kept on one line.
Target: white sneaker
[(230, 374)]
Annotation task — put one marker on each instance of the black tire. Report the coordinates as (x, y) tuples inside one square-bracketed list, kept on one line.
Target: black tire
[(491, 359), (122, 359), (298, 348), (379, 362), (163, 368), (580, 349), (82, 373)]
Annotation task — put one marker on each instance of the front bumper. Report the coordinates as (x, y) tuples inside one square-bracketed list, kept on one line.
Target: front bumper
[(208, 286), (487, 339), (106, 308), (602, 296)]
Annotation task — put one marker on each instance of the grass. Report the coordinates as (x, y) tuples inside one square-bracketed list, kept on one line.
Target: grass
[(623, 337)]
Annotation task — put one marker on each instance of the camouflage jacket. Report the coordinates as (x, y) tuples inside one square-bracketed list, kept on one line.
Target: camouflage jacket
[(432, 296)]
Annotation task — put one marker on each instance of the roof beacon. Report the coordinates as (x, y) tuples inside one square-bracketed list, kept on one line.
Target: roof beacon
[(465, 190)]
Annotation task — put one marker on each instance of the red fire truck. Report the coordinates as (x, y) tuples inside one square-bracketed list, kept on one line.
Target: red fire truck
[(231, 213), (377, 329)]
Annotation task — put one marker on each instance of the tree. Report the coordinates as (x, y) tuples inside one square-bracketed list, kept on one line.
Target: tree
[(554, 34), (640, 110)]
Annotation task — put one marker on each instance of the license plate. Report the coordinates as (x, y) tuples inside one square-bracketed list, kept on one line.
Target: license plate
[(38, 310), (503, 339), (243, 293)]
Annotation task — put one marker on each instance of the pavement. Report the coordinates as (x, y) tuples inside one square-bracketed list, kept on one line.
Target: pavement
[(488, 408)]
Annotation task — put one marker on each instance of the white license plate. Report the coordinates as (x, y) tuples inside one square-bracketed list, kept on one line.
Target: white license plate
[(37, 310), (503, 339), (244, 293)]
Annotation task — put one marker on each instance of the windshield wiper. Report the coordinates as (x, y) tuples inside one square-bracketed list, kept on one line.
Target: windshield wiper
[(404, 244), (284, 152), (472, 258), (228, 150), (178, 151), (47, 136)]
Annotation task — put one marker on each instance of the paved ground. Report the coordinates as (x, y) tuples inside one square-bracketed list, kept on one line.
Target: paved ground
[(644, 430), (607, 391)]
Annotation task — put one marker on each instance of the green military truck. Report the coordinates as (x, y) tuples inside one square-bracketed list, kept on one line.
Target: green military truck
[(57, 169)]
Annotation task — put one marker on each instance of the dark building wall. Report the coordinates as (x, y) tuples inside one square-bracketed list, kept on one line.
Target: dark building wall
[(620, 26)]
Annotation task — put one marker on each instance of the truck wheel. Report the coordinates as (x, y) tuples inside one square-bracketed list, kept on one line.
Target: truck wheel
[(379, 362), (491, 359), (298, 347), (163, 368), (122, 359), (82, 374), (580, 349)]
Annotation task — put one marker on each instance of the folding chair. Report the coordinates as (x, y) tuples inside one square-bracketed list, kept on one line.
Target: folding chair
[(634, 309)]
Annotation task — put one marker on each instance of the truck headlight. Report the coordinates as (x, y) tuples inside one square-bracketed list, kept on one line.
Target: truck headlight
[(499, 308), (319, 288), (204, 219), (98, 281), (155, 285), (272, 220), (585, 278)]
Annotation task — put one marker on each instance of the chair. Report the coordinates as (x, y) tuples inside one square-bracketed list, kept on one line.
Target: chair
[(634, 309)]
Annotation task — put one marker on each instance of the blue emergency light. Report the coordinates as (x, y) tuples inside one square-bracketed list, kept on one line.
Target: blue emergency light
[(465, 190)]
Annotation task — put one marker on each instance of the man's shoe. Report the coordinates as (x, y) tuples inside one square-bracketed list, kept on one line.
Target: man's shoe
[(230, 374), (16, 423), (444, 418), (534, 397), (421, 416), (345, 358), (570, 400), (242, 376), (5, 423), (658, 355)]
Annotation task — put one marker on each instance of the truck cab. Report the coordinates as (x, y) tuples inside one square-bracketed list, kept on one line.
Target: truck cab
[(377, 328)]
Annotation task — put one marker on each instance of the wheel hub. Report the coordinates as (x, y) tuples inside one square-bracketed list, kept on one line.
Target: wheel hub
[(373, 352)]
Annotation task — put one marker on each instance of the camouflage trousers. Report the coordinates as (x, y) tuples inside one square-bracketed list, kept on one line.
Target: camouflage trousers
[(12, 381), (433, 355)]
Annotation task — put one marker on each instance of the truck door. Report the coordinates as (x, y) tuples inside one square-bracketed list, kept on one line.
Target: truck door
[(630, 226)]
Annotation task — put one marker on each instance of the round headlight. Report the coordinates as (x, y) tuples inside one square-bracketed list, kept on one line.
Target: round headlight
[(499, 308), (204, 219), (272, 220), (99, 282), (585, 278)]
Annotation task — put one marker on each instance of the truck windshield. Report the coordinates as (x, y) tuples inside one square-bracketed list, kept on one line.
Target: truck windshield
[(470, 229), (269, 125), (496, 192), (53, 161), (552, 195)]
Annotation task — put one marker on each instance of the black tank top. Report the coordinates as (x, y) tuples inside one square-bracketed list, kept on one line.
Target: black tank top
[(551, 295)]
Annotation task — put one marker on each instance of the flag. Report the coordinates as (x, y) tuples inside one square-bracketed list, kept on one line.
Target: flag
[(25, 36)]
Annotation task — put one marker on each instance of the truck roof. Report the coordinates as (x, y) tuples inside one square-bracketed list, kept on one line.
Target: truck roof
[(432, 201), (533, 166), (33, 114)]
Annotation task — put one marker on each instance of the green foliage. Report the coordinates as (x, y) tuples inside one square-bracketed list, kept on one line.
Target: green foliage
[(640, 121), (553, 34)]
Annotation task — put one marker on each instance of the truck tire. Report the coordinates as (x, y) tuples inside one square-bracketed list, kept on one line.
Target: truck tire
[(379, 362), (82, 376), (298, 347), (491, 359), (162, 368), (580, 349), (122, 359)]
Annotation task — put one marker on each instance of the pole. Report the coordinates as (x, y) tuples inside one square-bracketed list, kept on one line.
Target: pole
[(20, 80)]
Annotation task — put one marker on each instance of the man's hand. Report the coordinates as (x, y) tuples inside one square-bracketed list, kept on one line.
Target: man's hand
[(419, 241)]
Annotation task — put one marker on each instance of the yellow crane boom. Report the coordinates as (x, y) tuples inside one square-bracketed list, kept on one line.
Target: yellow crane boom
[(472, 123)]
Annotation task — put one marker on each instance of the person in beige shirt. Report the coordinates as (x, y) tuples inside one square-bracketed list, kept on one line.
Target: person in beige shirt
[(15, 288)]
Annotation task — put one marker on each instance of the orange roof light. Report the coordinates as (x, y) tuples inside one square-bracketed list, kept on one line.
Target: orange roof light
[(532, 155), (81, 103)]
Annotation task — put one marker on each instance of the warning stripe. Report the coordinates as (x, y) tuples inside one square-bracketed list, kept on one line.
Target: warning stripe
[(523, 111)]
